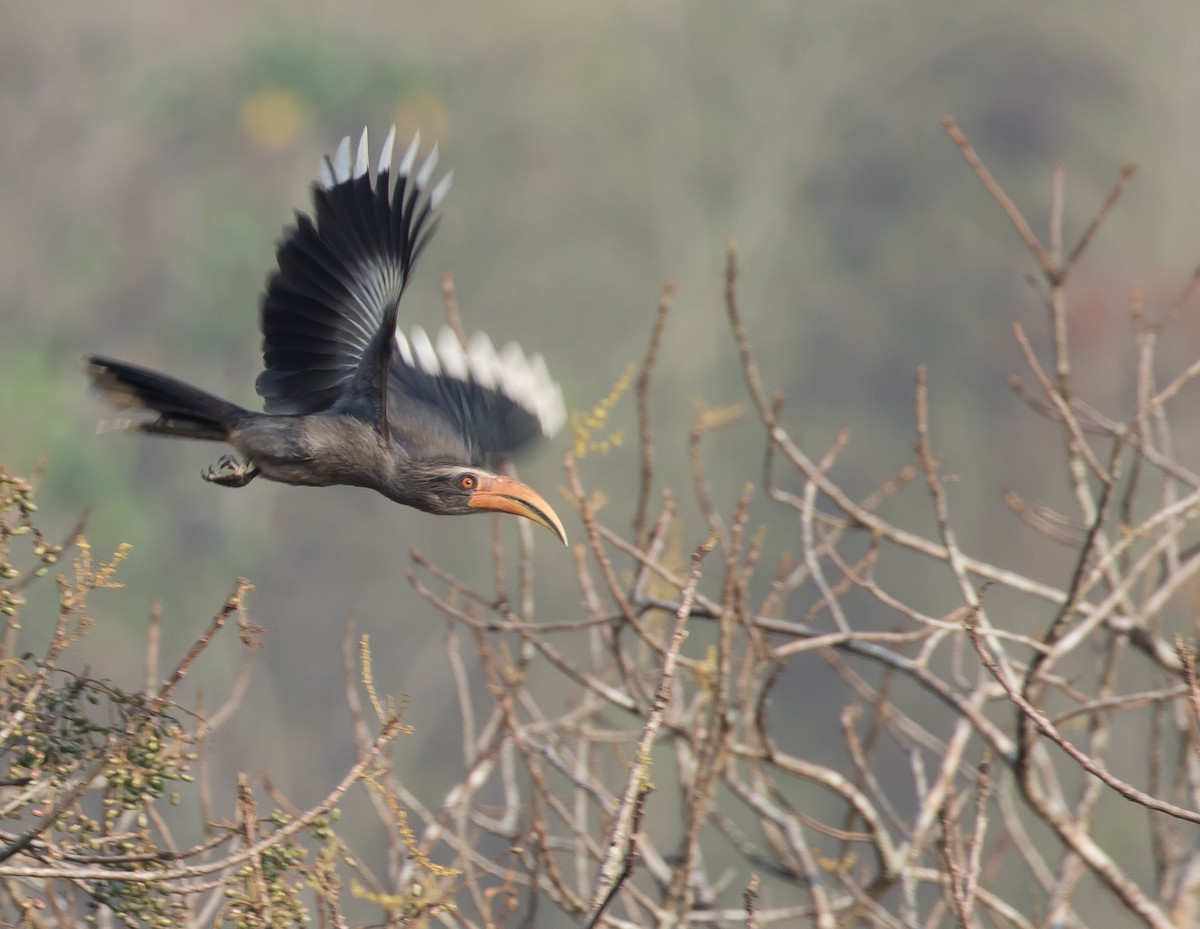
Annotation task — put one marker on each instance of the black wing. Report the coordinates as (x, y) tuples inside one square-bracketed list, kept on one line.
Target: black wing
[(470, 404), (340, 279)]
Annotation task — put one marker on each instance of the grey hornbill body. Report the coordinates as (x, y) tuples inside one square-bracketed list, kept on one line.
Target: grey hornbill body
[(348, 398)]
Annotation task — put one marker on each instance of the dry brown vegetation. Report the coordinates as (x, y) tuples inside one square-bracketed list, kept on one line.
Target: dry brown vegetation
[(1028, 755)]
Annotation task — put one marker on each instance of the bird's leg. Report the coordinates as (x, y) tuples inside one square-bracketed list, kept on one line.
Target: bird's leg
[(230, 471)]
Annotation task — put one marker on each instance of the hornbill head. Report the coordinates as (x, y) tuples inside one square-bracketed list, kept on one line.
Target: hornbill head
[(455, 490)]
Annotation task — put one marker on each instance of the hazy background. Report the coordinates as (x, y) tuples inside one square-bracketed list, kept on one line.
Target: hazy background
[(149, 159)]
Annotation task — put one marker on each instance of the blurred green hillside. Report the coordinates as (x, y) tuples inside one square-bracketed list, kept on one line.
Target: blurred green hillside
[(150, 155)]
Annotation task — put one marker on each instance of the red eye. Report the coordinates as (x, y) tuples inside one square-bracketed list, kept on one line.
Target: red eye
[(467, 482)]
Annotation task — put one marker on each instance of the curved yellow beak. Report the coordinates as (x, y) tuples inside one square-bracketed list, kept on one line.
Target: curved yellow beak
[(507, 495)]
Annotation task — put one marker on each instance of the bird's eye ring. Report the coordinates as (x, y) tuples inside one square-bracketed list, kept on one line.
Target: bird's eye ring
[(467, 482)]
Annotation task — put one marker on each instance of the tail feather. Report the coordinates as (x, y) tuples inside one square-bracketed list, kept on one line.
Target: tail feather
[(183, 410)]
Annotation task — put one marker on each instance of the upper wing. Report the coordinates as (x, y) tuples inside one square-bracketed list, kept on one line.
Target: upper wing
[(470, 404), (340, 278)]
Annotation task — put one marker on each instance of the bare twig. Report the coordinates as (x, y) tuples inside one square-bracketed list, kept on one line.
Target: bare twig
[(638, 781), (645, 432)]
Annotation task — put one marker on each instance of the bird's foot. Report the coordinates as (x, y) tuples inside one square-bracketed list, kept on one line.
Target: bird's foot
[(230, 471)]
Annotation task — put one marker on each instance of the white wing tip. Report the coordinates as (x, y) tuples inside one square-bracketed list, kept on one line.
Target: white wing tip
[(325, 174), (385, 153), (453, 357), (341, 161), (404, 348), (524, 381), (361, 160), (424, 351), (427, 168), (410, 155), (440, 190), (340, 167)]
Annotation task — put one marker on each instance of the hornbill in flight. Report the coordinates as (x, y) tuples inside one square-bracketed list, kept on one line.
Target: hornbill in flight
[(349, 399)]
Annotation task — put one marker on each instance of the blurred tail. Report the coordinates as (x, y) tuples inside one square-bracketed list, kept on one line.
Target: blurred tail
[(183, 410)]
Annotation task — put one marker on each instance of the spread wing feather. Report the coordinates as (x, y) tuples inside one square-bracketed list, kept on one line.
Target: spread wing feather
[(329, 315), (341, 276)]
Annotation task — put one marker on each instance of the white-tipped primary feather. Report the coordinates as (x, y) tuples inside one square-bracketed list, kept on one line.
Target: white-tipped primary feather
[(403, 347), (385, 154), (325, 174), (452, 355), (538, 365), (341, 161), (426, 171), (481, 357), (552, 411), (338, 169), (362, 160), (548, 396), (513, 373), (532, 388), (424, 351), (545, 397), (440, 191), (410, 155)]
